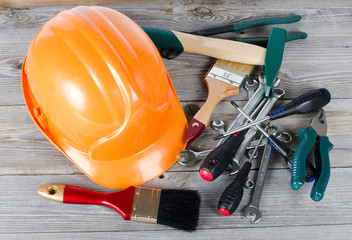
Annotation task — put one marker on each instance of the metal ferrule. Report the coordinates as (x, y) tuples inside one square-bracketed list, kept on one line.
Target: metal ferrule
[(146, 205), (226, 75)]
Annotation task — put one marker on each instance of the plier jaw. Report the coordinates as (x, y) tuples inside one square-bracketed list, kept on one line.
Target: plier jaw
[(318, 123), (313, 136)]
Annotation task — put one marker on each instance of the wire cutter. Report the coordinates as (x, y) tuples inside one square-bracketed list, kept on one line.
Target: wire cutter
[(238, 27), (313, 136)]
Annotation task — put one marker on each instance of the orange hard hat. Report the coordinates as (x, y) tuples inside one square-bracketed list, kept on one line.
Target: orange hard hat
[(97, 88)]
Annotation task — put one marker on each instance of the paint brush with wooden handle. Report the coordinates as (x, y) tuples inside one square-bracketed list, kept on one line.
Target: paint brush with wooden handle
[(224, 79), (174, 208)]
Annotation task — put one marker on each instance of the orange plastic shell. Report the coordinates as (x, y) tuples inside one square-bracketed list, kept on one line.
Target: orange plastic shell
[(96, 86)]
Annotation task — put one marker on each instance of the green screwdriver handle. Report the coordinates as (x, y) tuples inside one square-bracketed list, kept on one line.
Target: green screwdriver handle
[(322, 162), (273, 57), (308, 137), (266, 21)]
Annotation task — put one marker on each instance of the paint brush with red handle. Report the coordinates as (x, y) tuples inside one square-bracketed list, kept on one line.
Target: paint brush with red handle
[(174, 208)]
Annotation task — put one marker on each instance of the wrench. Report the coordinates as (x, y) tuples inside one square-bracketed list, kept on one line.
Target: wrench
[(251, 87), (277, 93), (253, 208), (191, 157), (219, 126), (248, 108)]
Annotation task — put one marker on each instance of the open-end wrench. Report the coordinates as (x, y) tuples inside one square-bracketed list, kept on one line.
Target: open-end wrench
[(253, 208), (191, 157), (276, 94), (251, 87), (219, 126), (248, 108)]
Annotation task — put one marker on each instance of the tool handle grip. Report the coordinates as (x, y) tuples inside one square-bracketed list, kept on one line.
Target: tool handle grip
[(266, 21), (236, 27), (163, 38), (274, 55), (308, 102), (219, 159), (322, 162), (263, 42), (212, 47), (232, 195), (287, 154), (120, 201), (308, 137)]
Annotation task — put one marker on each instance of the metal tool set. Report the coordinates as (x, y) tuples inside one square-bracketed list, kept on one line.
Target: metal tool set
[(240, 136)]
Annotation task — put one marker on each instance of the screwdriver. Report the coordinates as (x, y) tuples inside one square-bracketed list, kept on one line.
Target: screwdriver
[(284, 151), (233, 193), (308, 102)]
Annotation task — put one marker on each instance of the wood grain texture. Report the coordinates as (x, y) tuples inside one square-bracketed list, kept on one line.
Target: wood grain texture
[(338, 232), (222, 49), (324, 59), (281, 206), (24, 150)]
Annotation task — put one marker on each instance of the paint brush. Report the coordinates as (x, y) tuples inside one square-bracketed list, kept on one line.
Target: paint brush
[(224, 79), (174, 208)]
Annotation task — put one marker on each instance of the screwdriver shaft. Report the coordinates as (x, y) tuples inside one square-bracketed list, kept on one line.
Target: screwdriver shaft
[(248, 125), (249, 118)]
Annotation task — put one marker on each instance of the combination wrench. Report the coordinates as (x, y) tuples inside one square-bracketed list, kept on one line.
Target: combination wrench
[(253, 208), (251, 88), (276, 94), (191, 157)]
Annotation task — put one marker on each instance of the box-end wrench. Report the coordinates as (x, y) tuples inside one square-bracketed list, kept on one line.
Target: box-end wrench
[(276, 94), (253, 208), (251, 88)]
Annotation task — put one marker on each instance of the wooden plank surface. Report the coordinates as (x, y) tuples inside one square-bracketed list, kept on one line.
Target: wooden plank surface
[(324, 59)]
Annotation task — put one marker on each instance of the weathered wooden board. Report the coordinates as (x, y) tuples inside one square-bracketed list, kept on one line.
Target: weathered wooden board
[(324, 59), (24, 150), (336, 232), (281, 206)]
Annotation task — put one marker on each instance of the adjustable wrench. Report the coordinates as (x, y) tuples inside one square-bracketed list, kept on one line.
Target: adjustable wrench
[(276, 94)]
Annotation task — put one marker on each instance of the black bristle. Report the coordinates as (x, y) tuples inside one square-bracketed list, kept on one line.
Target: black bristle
[(179, 209)]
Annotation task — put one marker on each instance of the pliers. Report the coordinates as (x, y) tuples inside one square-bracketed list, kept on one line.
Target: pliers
[(238, 27), (313, 136)]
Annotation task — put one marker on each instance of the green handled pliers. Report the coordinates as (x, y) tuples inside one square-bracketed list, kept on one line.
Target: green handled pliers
[(313, 136), (238, 27)]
